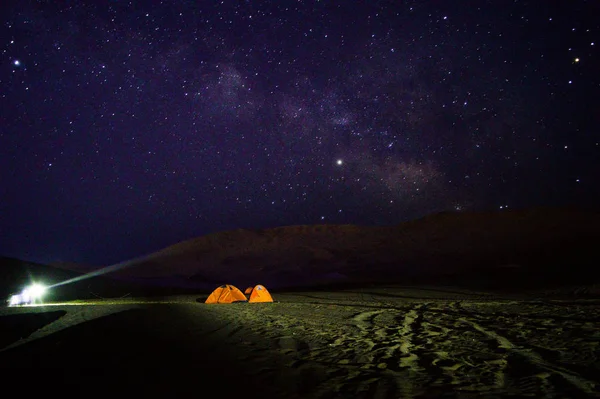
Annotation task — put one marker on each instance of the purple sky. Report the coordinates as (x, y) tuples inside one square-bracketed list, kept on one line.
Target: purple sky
[(127, 127)]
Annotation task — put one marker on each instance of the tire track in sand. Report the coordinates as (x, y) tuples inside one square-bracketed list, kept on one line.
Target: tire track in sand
[(403, 335), (406, 331), (536, 359), (411, 377), (395, 359)]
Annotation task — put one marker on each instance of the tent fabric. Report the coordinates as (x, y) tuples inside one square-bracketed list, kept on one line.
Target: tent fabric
[(226, 294), (260, 294), (248, 290)]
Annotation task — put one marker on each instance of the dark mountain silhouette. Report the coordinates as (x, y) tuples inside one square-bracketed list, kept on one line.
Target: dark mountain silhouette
[(509, 250), (521, 247)]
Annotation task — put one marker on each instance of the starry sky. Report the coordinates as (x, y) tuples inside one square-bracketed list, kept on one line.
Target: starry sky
[(130, 126)]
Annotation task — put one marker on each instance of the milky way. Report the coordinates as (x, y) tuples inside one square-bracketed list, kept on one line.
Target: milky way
[(127, 127)]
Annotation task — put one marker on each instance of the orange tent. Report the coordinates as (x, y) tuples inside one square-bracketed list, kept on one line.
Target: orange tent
[(248, 290), (259, 294), (226, 294)]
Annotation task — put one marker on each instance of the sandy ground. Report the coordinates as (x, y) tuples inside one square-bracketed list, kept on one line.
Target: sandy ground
[(369, 343)]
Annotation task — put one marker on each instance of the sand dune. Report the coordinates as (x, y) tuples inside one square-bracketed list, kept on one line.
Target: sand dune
[(533, 246), (509, 251)]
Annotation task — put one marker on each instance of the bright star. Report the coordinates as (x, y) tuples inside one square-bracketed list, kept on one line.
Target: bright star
[(17, 62), (339, 162)]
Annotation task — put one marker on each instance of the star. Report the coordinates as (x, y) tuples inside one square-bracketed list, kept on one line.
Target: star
[(232, 117)]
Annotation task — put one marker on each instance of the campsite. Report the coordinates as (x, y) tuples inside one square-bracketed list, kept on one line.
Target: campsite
[(415, 310), (300, 199), (373, 342), (345, 314)]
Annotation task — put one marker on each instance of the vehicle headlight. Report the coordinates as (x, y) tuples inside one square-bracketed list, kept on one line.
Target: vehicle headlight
[(36, 290)]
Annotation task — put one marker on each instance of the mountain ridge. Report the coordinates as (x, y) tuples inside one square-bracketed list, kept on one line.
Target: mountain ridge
[(506, 247), (442, 243)]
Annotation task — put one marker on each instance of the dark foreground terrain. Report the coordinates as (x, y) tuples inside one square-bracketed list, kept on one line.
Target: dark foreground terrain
[(384, 342)]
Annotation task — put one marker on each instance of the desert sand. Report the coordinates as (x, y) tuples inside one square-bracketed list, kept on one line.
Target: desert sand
[(385, 342)]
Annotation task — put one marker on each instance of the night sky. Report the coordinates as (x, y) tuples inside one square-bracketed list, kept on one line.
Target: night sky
[(130, 126)]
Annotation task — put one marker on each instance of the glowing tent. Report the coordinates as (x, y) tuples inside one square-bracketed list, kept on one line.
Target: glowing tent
[(259, 294), (248, 290), (226, 294)]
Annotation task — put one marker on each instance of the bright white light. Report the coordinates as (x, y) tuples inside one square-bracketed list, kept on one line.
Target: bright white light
[(339, 162), (17, 62), (15, 300), (25, 296), (36, 290)]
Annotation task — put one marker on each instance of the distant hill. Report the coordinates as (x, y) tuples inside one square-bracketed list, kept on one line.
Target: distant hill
[(518, 248), (72, 266)]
